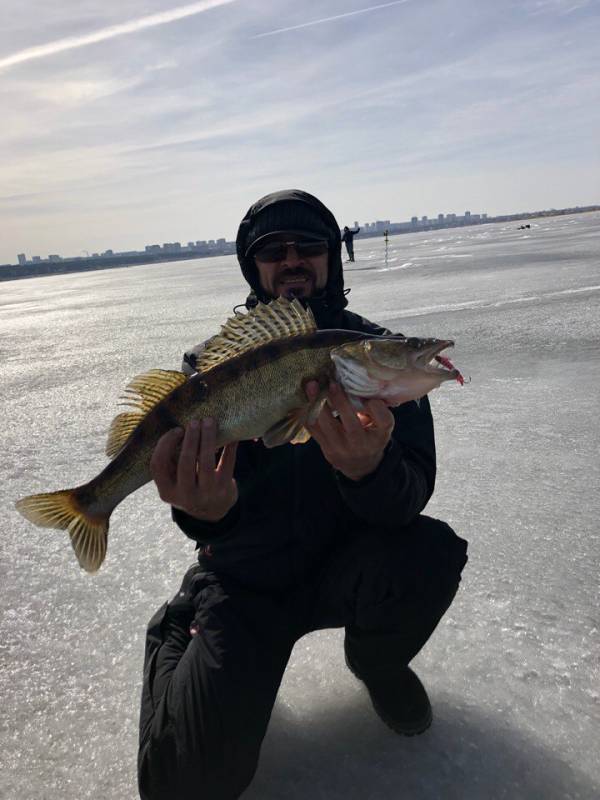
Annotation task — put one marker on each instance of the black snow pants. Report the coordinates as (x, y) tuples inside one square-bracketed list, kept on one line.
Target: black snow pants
[(349, 249), (216, 654)]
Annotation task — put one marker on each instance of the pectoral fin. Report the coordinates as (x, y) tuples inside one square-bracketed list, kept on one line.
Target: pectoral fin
[(292, 427), (289, 429)]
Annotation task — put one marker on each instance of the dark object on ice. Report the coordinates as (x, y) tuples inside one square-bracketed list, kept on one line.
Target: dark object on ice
[(348, 239), (398, 697), (523, 227)]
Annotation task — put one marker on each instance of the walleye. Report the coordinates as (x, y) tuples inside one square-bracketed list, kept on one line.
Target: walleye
[(251, 379)]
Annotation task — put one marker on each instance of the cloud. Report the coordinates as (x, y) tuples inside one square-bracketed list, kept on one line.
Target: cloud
[(330, 19), (133, 26)]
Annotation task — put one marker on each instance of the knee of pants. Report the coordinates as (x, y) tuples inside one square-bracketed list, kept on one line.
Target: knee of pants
[(433, 543), (418, 568)]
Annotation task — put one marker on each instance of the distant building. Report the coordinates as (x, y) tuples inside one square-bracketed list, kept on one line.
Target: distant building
[(221, 242), (22, 259), (108, 253), (440, 217), (36, 259), (414, 220), (424, 219), (467, 215), (152, 248), (54, 258)]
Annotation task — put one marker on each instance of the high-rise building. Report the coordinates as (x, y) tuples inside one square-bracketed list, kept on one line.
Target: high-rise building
[(22, 259), (440, 217)]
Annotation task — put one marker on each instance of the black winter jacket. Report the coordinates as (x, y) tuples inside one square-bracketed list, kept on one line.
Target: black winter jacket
[(293, 507)]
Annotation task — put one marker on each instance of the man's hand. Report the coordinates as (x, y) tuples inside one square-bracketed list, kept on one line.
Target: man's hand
[(353, 442), (192, 481)]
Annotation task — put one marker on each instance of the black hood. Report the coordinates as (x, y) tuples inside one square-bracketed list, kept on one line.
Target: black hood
[(328, 304)]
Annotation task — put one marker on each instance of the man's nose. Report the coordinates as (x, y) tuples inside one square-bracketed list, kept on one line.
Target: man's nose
[(291, 257)]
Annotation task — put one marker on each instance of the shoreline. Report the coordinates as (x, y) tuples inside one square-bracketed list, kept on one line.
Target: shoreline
[(65, 266)]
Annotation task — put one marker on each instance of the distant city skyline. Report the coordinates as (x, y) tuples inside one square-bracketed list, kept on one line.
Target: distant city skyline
[(211, 247), (153, 122), (378, 226)]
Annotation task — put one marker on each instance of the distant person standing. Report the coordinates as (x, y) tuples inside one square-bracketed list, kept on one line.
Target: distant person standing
[(348, 239)]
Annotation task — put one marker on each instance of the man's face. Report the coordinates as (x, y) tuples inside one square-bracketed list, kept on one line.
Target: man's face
[(296, 273)]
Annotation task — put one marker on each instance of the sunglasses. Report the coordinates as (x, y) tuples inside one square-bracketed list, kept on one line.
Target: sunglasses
[(277, 251)]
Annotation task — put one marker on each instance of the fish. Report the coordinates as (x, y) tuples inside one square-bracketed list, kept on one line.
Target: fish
[(251, 378)]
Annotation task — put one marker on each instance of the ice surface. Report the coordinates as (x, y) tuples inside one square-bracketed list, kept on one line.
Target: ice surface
[(513, 668)]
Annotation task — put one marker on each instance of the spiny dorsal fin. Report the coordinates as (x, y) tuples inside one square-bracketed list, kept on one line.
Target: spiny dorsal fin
[(143, 393), (265, 323)]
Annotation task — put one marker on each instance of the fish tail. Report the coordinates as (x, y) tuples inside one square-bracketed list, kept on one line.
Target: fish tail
[(88, 532)]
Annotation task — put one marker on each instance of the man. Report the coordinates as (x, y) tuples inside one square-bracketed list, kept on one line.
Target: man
[(291, 540), (348, 239)]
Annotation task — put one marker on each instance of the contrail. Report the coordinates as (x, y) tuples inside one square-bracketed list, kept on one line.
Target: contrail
[(330, 19), (134, 25)]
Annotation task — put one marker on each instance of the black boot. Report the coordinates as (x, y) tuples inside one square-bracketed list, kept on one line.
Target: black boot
[(399, 698), (381, 660)]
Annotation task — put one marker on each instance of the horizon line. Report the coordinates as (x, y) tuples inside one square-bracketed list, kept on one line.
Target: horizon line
[(511, 216)]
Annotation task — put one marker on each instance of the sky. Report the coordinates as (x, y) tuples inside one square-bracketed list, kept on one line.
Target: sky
[(144, 121)]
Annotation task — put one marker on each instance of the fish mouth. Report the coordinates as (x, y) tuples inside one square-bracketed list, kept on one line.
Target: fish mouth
[(430, 360)]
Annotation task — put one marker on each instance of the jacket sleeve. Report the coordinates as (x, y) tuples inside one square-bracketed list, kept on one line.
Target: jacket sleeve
[(401, 486), (207, 532)]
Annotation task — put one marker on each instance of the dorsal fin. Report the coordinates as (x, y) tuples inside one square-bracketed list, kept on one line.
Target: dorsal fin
[(266, 323), (143, 393)]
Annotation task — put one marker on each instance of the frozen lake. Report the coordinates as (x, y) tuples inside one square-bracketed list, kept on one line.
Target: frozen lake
[(513, 670)]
